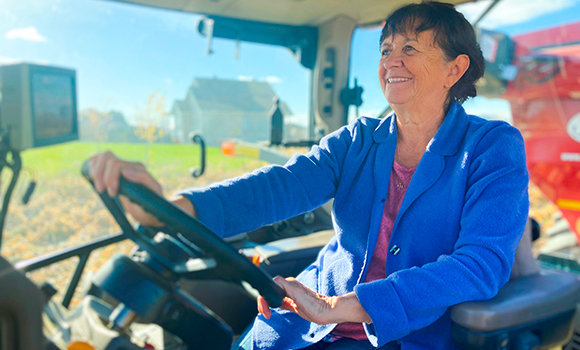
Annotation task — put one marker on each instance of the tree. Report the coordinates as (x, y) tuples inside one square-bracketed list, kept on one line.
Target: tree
[(150, 121)]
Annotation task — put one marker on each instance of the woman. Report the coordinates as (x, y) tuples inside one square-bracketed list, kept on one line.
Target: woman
[(429, 204)]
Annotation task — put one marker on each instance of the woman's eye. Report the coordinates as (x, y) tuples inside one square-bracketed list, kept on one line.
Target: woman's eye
[(408, 48), (385, 52)]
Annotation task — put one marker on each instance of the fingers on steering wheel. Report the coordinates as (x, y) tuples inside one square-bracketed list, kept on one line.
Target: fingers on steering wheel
[(263, 307), (97, 169), (287, 304), (111, 175)]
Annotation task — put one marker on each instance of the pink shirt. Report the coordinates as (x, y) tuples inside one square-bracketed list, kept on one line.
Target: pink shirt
[(398, 183)]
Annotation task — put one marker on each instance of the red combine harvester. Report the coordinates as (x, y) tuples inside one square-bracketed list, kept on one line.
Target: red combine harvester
[(539, 74)]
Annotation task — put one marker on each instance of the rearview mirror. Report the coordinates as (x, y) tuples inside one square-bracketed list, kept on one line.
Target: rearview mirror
[(205, 27)]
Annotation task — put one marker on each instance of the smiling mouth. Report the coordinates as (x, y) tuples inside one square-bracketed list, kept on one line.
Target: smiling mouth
[(397, 80)]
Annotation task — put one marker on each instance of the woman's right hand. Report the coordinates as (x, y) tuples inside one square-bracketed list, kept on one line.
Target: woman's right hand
[(105, 170)]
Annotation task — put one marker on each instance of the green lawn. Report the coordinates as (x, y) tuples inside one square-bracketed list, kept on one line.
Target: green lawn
[(54, 160)]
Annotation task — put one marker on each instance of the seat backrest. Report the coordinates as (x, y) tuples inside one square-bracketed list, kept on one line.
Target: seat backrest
[(525, 264)]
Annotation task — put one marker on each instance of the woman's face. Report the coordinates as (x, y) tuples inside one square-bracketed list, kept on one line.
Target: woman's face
[(413, 69)]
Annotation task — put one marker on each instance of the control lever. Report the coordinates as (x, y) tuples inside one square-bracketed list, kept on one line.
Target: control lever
[(48, 290), (31, 186), (54, 311)]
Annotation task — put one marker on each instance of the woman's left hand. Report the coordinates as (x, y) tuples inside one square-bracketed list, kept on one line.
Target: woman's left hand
[(315, 307)]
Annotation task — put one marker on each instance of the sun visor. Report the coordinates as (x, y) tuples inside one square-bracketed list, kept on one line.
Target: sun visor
[(301, 40)]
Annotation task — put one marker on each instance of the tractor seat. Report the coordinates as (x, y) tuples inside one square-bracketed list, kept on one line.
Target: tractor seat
[(534, 309)]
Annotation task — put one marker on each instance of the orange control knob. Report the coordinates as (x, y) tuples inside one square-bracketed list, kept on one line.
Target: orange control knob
[(257, 260), (80, 345)]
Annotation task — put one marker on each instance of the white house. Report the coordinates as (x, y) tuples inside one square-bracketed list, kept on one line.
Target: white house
[(225, 110)]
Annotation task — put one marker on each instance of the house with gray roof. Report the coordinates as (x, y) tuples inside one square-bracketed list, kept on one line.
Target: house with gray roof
[(225, 110)]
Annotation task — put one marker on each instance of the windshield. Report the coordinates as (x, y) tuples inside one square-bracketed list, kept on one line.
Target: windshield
[(144, 82)]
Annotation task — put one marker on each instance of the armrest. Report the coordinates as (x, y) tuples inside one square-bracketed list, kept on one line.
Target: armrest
[(520, 301)]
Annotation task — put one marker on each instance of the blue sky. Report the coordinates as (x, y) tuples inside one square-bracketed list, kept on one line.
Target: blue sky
[(123, 53)]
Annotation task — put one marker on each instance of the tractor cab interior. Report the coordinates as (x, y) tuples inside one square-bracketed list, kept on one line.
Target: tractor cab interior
[(185, 288)]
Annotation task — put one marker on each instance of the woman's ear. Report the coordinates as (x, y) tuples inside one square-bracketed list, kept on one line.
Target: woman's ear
[(458, 67)]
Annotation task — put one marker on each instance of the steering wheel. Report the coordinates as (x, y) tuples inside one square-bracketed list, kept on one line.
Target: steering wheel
[(193, 230)]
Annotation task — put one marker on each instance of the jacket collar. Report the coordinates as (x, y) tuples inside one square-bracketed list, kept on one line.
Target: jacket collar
[(446, 141)]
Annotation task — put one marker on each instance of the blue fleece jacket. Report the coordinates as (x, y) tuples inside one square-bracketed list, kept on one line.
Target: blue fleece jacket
[(454, 238)]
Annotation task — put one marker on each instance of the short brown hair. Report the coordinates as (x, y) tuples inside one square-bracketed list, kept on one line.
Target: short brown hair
[(452, 33)]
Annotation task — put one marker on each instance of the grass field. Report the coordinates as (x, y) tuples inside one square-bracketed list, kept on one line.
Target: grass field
[(68, 157)]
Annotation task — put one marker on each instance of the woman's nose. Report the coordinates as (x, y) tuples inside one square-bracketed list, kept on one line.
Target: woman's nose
[(394, 60)]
